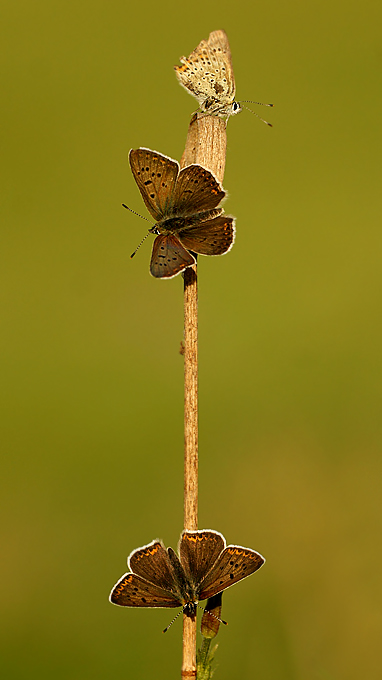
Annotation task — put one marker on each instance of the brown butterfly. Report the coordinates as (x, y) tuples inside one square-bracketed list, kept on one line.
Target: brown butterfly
[(184, 205), (205, 567)]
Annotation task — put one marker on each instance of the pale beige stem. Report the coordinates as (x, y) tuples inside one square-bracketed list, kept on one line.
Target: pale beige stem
[(205, 145)]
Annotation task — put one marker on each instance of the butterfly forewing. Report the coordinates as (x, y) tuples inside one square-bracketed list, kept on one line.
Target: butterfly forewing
[(196, 190), (212, 237), (219, 51), (133, 591), (152, 563), (198, 552), (156, 176), (234, 564), (169, 257)]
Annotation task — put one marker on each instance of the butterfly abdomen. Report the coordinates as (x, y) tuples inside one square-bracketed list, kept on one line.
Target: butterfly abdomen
[(173, 225), (184, 587)]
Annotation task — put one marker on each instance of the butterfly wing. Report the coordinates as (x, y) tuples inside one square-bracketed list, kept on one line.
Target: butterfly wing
[(220, 54), (212, 237), (233, 564), (192, 73), (208, 74), (133, 591), (198, 552), (169, 257), (156, 178), (196, 190), (151, 562)]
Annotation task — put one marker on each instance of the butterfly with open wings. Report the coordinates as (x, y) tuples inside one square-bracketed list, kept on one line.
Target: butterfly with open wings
[(205, 567), (184, 204)]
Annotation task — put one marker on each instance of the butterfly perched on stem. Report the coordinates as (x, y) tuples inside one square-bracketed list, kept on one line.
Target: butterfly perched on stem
[(207, 74), (184, 204), (205, 567)]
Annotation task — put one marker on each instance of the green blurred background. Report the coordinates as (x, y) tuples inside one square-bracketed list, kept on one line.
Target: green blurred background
[(290, 338)]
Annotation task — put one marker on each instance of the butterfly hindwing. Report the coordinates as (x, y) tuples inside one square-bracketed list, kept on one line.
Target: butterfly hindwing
[(191, 74), (169, 257), (133, 591), (196, 190), (156, 177), (212, 237), (233, 564)]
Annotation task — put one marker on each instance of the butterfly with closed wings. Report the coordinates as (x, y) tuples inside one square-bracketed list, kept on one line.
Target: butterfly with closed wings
[(207, 74)]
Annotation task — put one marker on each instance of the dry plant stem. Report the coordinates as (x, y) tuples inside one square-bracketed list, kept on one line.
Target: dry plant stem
[(190, 398), (205, 145)]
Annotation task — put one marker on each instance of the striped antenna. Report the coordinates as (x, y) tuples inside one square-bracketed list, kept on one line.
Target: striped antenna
[(170, 624), (210, 613), (143, 218), (137, 248), (206, 611), (135, 213), (249, 101)]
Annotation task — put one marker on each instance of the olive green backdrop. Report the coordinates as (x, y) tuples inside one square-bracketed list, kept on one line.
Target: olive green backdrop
[(290, 338)]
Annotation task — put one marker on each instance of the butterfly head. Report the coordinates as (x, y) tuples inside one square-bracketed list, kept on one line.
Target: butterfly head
[(236, 108), (189, 609)]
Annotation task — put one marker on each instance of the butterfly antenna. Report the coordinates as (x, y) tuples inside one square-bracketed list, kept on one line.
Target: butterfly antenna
[(257, 115), (249, 101), (135, 213), (137, 248), (170, 624), (206, 611), (143, 218)]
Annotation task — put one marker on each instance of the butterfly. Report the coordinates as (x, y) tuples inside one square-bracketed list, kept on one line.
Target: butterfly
[(206, 566), (207, 74), (184, 204)]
